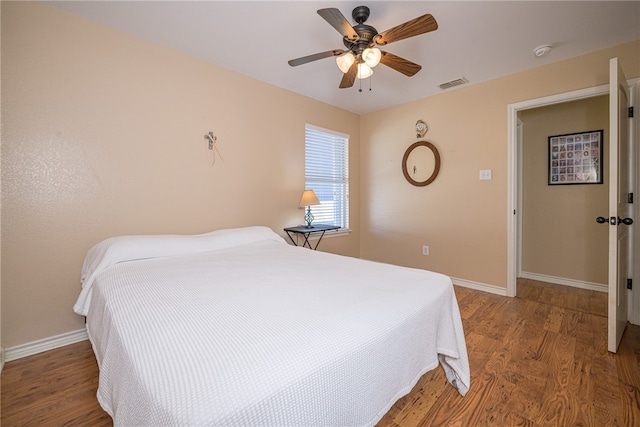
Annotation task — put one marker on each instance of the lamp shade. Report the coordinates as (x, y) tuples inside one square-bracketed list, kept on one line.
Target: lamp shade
[(309, 198), (345, 61), (364, 71), (371, 56)]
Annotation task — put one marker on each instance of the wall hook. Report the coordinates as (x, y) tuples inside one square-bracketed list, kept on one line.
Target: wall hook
[(421, 128), (213, 147)]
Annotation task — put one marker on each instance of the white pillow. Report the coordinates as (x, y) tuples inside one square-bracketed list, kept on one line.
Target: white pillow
[(127, 248)]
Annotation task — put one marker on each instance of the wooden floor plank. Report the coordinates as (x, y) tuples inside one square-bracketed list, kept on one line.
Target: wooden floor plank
[(582, 300), (534, 363)]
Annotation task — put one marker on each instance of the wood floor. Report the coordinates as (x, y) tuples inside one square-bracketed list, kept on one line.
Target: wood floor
[(586, 301), (532, 364)]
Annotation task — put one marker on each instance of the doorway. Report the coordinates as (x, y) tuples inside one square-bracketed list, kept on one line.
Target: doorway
[(514, 209), (514, 244), (559, 240)]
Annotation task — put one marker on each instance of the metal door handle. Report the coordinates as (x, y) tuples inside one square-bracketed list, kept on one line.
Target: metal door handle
[(625, 221), (613, 220)]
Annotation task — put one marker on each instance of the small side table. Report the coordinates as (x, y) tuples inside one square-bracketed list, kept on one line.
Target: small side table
[(306, 232)]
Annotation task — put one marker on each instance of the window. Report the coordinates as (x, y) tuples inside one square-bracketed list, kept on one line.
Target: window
[(327, 174)]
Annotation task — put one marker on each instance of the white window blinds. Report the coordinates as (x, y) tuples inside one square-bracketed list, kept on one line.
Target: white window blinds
[(327, 174)]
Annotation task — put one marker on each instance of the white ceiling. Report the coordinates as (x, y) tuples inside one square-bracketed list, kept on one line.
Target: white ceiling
[(478, 40)]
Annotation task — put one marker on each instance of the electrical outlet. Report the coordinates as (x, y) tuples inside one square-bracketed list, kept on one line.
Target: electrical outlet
[(425, 250)]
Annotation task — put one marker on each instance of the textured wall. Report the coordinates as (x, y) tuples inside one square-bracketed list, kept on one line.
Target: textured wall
[(462, 219), (103, 134)]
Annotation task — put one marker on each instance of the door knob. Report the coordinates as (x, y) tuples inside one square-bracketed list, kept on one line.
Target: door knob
[(613, 220), (625, 221)]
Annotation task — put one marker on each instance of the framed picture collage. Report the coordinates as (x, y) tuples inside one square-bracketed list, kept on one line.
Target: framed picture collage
[(576, 158)]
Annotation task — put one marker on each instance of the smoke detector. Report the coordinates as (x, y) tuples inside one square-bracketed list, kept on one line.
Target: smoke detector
[(542, 50)]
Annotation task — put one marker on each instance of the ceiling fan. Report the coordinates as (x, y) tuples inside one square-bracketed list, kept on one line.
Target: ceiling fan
[(361, 41)]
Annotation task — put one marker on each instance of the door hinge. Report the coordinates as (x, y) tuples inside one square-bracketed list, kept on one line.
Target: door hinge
[(630, 111), (630, 198), (629, 283)]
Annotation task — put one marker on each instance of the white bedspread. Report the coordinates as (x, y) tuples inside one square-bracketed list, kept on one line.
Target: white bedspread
[(267, 334)]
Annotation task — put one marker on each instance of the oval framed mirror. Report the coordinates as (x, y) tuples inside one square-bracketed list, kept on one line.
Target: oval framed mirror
[(421, 163)]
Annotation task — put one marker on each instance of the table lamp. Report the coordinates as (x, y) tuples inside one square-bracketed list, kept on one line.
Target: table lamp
[(309, 199)]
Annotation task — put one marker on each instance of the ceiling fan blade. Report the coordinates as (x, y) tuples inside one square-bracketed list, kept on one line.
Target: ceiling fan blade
[(420, 25), (315, 57), (336, 19), (399, 64), (350, 76)]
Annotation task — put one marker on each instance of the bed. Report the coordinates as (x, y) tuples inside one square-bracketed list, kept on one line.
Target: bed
[(237, 327)]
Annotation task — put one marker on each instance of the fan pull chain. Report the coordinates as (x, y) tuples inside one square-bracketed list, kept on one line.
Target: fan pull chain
[(360, 83)]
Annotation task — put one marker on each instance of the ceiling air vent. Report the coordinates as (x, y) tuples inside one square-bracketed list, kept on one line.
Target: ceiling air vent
[(452, 83)]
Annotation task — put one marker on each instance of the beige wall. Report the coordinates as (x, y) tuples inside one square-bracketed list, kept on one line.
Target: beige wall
[(462, 219), (103, 134), (560, 237)]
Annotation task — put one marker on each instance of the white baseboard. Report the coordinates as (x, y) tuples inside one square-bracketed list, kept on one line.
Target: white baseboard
[(45, 344), (599, 287), (1, 359), (492, 289)]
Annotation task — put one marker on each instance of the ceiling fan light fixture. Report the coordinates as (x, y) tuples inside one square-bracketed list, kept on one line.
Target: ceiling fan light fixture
[(360, 40), (345, 61), (364, 71), (371, 56)]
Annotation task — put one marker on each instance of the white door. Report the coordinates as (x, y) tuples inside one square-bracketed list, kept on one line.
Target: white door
[(619, 208)]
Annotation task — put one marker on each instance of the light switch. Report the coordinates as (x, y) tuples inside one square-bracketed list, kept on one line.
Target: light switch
[(485, 174)]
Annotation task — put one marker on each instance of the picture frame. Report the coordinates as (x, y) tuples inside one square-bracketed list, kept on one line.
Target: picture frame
[(576, 158)]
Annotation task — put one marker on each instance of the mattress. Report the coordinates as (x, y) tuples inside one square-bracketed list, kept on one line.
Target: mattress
[(253, 331)]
